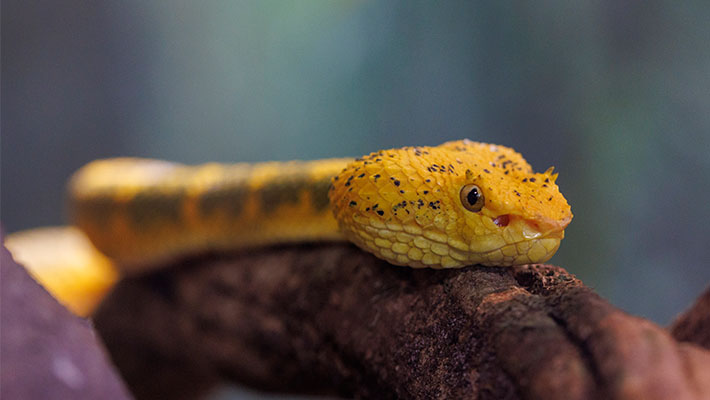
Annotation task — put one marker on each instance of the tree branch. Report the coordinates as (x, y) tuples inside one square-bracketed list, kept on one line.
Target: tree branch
[(333, 319), (694, 325)]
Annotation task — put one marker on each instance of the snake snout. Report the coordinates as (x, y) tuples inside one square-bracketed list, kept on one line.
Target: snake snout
[(529, 229), (548, 227)]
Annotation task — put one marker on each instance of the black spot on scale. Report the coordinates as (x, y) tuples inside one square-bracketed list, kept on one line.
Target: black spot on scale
[(532, 179), (401, 191), (397, 206), (376, 176), (525, 179), (361, 175), (547, 180), (380, 213), (396, 182), (486, 171), (353, 203)]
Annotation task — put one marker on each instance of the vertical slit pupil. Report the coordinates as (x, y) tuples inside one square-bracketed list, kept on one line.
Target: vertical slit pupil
[(473, 196)]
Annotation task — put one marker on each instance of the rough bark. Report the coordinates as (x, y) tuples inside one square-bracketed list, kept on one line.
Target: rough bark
[(47, 352), (694, 325), (333, 319)]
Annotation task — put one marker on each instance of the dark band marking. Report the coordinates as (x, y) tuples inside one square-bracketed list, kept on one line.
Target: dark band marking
[(284, 190), (97, 209), (226, 199), (152, 207), (319, 189), (290, 188)]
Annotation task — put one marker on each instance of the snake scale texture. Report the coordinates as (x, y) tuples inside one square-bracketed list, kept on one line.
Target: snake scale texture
[(446, 206)]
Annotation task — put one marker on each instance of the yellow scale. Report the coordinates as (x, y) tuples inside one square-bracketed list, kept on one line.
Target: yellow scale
[(448, 206)]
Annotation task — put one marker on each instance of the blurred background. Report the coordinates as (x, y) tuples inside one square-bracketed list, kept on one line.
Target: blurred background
[(614, 94)]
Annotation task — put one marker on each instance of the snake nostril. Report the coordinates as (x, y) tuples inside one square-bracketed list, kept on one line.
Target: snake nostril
[(502, 220)]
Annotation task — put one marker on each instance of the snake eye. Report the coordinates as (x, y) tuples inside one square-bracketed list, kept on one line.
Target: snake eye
[(472, 198)]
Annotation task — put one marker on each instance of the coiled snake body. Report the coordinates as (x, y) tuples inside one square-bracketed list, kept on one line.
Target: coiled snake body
[(447, 206)]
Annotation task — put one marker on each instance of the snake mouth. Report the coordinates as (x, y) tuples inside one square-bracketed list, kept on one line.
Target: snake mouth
[(502, 220), (533, 228)]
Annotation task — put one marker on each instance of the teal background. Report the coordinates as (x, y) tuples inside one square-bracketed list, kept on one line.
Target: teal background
[(614, 94)]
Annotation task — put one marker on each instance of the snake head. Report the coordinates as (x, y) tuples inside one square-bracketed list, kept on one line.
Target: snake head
[(449, 206)]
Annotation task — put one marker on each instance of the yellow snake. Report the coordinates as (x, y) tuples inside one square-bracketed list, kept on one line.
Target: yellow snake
[(448, 206)]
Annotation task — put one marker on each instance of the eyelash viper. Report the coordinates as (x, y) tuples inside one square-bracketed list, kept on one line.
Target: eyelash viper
[(447, 206)]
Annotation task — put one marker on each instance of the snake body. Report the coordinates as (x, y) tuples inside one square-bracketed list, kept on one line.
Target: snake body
[(411, 206)]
